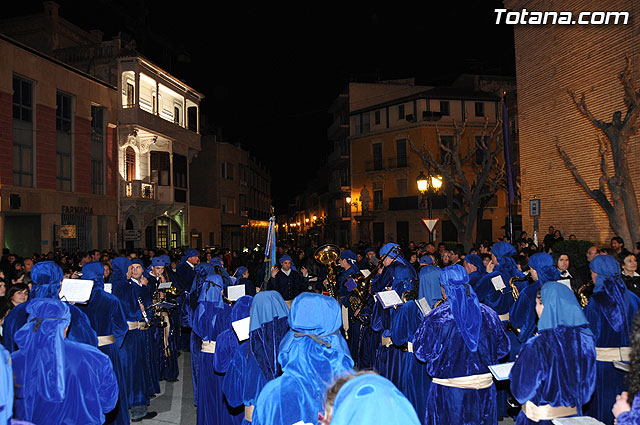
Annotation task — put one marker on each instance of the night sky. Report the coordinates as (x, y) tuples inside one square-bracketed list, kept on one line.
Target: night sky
[(269, 73)]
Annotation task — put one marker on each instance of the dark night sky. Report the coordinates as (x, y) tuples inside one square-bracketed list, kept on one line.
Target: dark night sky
[(269, 73)]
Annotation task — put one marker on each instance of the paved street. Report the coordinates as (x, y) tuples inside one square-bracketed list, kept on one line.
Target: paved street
[(174, 404)]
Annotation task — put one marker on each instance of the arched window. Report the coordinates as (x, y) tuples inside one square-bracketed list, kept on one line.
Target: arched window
[(130, 162)]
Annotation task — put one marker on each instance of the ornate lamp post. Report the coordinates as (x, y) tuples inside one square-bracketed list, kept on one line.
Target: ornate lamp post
[(428, 185)]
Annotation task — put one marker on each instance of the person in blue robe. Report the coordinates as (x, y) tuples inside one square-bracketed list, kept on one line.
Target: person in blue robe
[(58, 381), (210, 318), (626, 410), (399, 276), (501, 301), (554, 374), (167, 326), (218, 266), (475, 267), (288, 281), (371, 399), (185, 274), (256, 362), (6, 386), (191, 304), (137, 372), (226, 346), (46, 277), (458, 341), (107, 319), (345, 283), (144, 292), (414, 379), (610, 312), (242, 278), (312, 355), (523, 312)]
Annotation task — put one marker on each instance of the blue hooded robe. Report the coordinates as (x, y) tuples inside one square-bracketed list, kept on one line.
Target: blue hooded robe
[(256, 363), (6, 386), (137, 372), (58, 381), (372, 399), (460, 338), (523, 312), (406, 319), (312, 355), (46, 277), (399, 276), (610, 312), (107, 319), (226, 346), (557, 366), (210, 318)]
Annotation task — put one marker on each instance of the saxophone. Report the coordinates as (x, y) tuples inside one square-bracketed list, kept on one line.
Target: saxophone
[(582, 297), (514, 288)]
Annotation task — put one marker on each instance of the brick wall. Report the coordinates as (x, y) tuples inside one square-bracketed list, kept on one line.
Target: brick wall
[(82, 156), (112, 162), (550, 60), (45, 147), (6, 139)]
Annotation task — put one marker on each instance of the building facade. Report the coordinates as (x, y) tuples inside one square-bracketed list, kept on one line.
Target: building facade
[(58, 144), (383, 129), (152, 134), (550, 61)]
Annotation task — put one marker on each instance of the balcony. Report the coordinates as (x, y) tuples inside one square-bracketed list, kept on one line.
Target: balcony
[(403, 203), (398, 162), (375, 165), (137, 189)]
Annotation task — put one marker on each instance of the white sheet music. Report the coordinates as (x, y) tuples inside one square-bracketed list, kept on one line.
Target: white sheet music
[(389, 298), (165, 285), (501, 371), (235, 291), (108, 287), (365, 272), (577, 420), (498, 283), (76, 290), (423, 305), (625, 367), (565, 282), (241, 328)]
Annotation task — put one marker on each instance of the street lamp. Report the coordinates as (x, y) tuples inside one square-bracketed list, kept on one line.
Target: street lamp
[(428, 185)]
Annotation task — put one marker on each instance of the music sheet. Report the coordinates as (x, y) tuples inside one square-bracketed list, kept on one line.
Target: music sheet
[(241, 328), (76, 290)]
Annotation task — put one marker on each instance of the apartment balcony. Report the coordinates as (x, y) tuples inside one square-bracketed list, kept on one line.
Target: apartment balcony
[(375, 165), (134, 116), (398, 162), (137, 189)]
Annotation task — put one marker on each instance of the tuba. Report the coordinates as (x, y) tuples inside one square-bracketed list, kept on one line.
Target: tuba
[(327, 255)]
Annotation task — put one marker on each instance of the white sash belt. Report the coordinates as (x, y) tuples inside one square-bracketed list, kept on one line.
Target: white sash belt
[(471, 382)]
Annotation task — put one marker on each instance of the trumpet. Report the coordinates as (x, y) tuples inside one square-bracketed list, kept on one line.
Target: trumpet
[(440, 301)]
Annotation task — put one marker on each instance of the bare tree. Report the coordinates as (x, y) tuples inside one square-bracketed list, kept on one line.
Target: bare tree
[(470, 178), (622, 206)]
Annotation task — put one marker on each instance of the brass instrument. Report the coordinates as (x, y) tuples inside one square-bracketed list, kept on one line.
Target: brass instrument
[(362, 291), (582, 297), (514, 288), (327, 255), (440, 301)]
